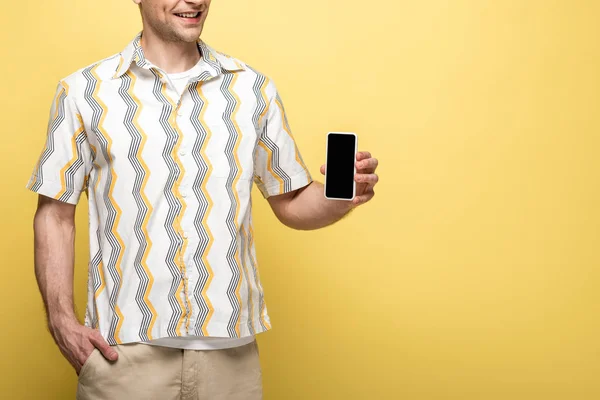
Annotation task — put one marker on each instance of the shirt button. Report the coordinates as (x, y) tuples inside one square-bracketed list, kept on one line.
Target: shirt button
[(183, 152), (185, 235)]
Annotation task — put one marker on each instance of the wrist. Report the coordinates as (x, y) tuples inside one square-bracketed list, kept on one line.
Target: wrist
[(340, 208), (61, 321), (347, 206)]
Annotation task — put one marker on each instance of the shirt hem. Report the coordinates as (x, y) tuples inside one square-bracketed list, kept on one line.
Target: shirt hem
[(133, 336)]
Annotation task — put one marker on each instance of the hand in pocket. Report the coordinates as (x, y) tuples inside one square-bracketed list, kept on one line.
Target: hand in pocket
[(77, 343)]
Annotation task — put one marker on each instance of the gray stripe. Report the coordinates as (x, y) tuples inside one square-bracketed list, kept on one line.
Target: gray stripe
[(49, 150), (261, 300), (244, 258), (233, 170), (111, 211), (72, 170), (203, 244), (175, 206), (140, 174), (287, 181)]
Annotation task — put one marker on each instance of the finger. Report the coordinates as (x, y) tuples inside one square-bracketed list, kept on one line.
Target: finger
[(371, 179), (107, 351), (370, 165), (362, 155), (323, 169), (362, 199)]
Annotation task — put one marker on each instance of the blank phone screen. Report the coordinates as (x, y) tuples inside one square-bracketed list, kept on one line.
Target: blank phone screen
[(339, 178)]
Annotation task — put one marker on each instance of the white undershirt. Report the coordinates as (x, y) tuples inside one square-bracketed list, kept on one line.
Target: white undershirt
[(180, 80), (201, 342)]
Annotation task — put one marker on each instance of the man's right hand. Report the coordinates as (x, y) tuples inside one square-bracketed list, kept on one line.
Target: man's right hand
[(77, 342)]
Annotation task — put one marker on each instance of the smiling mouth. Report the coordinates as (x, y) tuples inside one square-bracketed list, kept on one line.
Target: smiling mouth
[(189, 15)]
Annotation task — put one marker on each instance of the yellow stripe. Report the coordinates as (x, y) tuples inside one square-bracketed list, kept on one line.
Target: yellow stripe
[(201, 119), (119, 67), (64, 169), (270, 164), (183, 288), (248, 276), (258, 178), (101, 264), (258, 284), (289, 132), (37, 165), (111, 198), (64, 90), (144, 260), (263, 91), (181, 301), (234, 186)]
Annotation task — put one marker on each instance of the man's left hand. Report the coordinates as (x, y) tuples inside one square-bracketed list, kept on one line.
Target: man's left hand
[(365, 177)]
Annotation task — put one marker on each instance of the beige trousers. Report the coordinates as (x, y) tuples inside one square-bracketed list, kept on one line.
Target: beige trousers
[(145, 372)]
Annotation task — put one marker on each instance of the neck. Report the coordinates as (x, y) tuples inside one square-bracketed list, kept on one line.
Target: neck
[(171, 57)]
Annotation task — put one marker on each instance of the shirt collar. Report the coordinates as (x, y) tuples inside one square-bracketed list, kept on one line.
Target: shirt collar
[(219, 62)]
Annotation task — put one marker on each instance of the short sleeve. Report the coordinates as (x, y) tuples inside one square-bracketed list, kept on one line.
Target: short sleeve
[(278, 165), (63, 167)]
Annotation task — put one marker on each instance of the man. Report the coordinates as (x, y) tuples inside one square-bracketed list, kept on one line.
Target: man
[(166, 139)]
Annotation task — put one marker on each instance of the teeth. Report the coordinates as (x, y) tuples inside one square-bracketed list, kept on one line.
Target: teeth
[(188, 15)]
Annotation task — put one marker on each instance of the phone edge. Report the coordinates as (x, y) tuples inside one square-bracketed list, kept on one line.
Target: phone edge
[(326, 159)]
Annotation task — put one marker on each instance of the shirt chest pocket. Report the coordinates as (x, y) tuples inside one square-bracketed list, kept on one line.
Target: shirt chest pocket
[(229, 151)]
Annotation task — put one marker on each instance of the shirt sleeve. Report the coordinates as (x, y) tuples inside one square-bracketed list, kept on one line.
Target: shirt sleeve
[(63, 167), (278, 165)]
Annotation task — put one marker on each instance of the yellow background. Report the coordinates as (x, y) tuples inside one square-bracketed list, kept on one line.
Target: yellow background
[(473, 274)]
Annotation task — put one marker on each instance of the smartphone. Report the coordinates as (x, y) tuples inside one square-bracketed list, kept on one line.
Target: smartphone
[(340, 165)]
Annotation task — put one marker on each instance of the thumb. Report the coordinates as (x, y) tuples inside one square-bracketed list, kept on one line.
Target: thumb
[(323, 169), (107, 351)]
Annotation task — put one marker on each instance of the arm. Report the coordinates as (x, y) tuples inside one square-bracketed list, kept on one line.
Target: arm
[(308, 208), (59, 178), (284, 180), (54, 255)]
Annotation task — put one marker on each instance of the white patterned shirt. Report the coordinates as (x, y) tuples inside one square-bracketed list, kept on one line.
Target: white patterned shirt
[(168, 180)]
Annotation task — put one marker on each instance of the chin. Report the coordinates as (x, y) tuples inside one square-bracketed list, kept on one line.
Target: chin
[(190, 36)]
